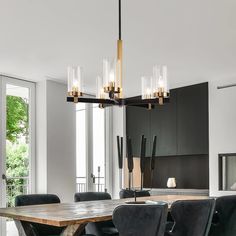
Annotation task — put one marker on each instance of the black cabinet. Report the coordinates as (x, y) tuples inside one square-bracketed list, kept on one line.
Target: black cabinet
[(192, 120), (163, 125), (138, 124), (181, 126)]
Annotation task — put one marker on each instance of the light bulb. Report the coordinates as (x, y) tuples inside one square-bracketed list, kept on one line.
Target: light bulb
[(161, 83), (112, 76)]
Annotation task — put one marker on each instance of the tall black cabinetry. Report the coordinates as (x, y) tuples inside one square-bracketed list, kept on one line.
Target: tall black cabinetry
[(181, 126)]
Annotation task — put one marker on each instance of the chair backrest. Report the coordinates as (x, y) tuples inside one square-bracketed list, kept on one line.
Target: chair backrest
[(224, 222), (192, 218), (39, 199), (91, 196), (36, 199), (125, 193), (141, 219), (93, 228)]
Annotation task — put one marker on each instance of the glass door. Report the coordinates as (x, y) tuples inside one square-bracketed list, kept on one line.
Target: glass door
[(17, 144), (98, 149), (90, 140)]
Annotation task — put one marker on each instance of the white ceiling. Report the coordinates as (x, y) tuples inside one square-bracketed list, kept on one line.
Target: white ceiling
[(195, 38)]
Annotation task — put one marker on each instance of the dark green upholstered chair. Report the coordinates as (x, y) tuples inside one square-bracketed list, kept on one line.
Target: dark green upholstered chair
[(224, 220), (191, 218), (91, 196), (34, 229), (105, 228), (141, 219), (126, 193), (38, 199)]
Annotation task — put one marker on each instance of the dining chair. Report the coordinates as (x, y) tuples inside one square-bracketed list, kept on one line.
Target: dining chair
[(33, 229), (141, 219), (224, 219), (105, 228), (91, 196), (126, 193), (37, 229), (191, 217)]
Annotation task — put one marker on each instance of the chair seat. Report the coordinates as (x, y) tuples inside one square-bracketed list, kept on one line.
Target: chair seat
[(105, 228), (110, 231), (169, 225)]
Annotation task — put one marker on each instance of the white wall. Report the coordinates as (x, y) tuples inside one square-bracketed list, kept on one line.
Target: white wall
[(56, 150), (41, 138), (222, 128)]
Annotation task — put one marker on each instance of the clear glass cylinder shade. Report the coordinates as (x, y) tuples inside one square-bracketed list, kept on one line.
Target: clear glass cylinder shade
[(99, 89), (146, 87), (69, 79), (165, 79), (155, 78), (74, 80), (160, 81), (112, 76), (106, 72)]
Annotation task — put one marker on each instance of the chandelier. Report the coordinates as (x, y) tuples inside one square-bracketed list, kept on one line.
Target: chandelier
[(109, 90)]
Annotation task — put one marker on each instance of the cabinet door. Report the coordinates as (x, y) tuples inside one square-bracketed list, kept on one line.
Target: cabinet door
[(138, 124), (163, 125), (192, 120)]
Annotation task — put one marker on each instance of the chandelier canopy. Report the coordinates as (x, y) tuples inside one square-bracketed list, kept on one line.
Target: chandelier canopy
[(109, 91)]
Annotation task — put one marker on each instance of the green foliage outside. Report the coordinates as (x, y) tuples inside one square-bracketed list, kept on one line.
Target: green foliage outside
[(17, 118), (17, 161)]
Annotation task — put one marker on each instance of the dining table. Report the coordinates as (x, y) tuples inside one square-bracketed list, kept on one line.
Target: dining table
[(75, 216)]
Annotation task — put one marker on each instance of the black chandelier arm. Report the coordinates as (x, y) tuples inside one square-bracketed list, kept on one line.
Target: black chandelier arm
[(91, 100), (119, 19), (132, 101)]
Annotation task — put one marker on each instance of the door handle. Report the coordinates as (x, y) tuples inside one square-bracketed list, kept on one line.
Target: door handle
[(4, 177), (94, 178)]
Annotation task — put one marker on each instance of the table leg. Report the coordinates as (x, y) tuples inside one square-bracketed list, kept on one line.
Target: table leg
[(73, 230), (25, 228)]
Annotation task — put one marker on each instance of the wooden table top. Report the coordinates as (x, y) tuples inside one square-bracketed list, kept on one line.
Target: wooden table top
[(65, 214)]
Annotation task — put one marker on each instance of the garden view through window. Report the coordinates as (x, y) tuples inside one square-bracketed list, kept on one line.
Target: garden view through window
[(90, 148), (17, 146), (17, 141)]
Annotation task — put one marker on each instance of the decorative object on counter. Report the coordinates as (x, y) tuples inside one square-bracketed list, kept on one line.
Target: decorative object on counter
[(142, 158), (153, 158), (120, 157), (171, 183), (109, 90), (130, 160), (233, 187)]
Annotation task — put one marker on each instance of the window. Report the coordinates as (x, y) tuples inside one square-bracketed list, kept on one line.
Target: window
[(90, 148), (99, 148), (80, 148), (17, 146)]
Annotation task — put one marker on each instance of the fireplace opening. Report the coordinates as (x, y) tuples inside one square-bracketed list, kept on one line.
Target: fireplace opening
[(227, 172)]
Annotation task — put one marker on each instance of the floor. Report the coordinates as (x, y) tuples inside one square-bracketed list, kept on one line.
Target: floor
[(11, 229)]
